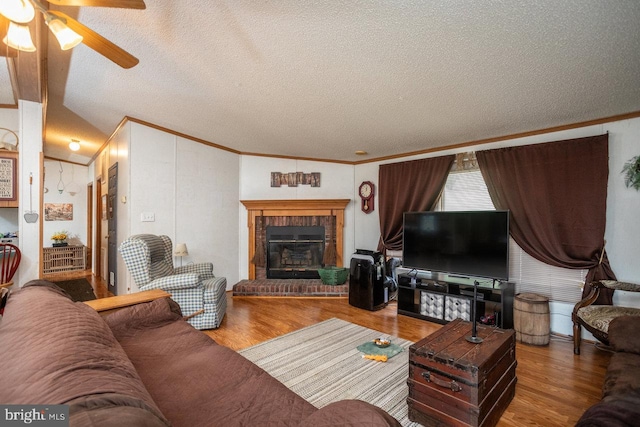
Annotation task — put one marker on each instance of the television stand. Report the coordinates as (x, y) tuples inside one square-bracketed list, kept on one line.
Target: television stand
[(443, 300)]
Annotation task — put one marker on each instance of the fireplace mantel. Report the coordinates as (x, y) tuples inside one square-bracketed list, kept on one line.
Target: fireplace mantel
[(297, 207)]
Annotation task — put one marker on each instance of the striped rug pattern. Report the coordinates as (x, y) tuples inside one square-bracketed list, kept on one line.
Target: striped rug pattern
[(321, 364)]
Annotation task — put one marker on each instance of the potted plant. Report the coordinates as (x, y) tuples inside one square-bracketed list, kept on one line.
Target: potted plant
[(59, 238), (631, 171)]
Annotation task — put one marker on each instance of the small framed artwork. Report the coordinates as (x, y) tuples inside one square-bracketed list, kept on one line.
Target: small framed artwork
[(58, 211), (8, 174), (293, 179), (314, 179), (275, 179)]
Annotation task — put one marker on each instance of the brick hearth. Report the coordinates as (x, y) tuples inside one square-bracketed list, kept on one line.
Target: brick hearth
[(289, 288)]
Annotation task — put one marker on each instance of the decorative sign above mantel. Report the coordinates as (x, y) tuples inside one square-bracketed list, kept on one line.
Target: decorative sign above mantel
[(292, 179)]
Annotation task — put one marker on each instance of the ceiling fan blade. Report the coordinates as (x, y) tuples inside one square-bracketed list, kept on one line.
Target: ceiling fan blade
[(98, 43), (126, 4), (5, 50)]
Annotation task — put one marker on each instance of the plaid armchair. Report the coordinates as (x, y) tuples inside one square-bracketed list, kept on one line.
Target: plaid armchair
[(202, 296)]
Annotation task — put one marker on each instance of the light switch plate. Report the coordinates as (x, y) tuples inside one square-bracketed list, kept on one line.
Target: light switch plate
[(147, 217)]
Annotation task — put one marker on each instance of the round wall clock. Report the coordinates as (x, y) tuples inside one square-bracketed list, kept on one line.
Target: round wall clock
[(366, 192)]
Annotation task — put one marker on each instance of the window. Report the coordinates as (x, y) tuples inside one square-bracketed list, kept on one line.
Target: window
[(466, 191)]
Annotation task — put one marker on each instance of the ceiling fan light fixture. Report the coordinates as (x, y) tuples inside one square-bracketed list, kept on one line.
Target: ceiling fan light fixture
[(67, 38), (74, 145), (19, 37), (20, 11)]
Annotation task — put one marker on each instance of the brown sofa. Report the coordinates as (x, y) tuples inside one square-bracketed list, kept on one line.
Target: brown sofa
[(620, 404), (144, 366)]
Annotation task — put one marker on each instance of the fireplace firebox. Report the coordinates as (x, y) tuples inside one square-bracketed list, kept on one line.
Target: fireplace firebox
[(294, 252)]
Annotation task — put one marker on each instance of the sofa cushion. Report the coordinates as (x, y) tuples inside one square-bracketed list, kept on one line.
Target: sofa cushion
[(621, 411), (623, 374), (62, 352), (349, 413), (195, 381), (624, 334)]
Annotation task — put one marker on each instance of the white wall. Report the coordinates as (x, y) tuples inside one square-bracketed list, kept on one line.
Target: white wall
[(192, 190), (623, 205), (30, 131), (336, 182), (367, 226), (206, 208), (74, 178), (9, 119)]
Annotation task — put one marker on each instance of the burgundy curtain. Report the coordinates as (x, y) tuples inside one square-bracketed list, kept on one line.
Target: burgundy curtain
[(408, 187), (557, 194)]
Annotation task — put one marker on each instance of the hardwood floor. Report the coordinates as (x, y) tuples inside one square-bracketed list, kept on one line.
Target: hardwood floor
[(554, 386), (98, 285)]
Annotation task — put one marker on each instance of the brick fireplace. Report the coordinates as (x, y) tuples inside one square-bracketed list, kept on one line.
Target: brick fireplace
[(327, 213)]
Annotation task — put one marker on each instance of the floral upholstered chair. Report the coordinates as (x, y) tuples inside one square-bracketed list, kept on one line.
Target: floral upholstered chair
[(200, 295), (596, 318)]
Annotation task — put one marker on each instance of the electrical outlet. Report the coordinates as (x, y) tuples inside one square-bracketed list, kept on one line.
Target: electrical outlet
[(147, 217)]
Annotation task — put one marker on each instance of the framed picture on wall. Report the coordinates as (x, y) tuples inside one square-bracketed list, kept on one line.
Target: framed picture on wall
[(8, 181), (58, 211), (275, 179), (314, 181)]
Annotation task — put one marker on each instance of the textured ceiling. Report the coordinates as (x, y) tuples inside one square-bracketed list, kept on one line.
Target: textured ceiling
[(322, 79)]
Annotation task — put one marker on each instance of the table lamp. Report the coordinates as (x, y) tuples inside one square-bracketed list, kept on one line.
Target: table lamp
[(181, 251)]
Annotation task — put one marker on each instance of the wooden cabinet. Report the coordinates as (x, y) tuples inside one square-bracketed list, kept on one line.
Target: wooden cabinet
[(441, 301), (64, 258)]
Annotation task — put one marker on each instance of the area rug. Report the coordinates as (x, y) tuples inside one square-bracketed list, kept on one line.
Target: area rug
[(322, 364), (78, 289)]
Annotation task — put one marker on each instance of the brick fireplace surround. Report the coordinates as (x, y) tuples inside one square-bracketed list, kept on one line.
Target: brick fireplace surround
[(261, 213)]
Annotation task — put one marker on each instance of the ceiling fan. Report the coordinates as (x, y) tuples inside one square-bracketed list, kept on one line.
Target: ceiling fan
[(14, 14)]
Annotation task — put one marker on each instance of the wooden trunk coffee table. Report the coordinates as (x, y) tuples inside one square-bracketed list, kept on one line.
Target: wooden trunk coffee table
[(454, 382)]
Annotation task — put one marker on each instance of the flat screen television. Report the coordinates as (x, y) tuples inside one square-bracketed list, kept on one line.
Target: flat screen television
[(467, 244)]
